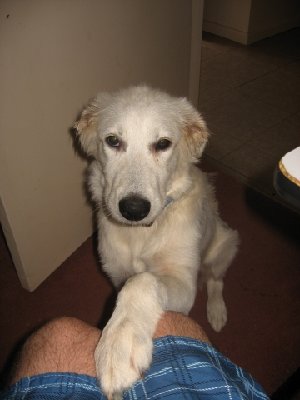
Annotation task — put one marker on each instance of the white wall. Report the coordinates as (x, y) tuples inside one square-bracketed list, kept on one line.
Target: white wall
[(269, 17), (227, 18), (247, 21), (54, 56)]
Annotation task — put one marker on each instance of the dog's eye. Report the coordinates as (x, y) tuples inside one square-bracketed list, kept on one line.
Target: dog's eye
[(113, 141), (162, 144)]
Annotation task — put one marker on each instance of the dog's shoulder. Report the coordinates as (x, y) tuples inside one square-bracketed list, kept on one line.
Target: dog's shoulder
[(203, 182)]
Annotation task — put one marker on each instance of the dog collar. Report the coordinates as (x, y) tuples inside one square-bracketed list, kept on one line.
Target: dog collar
[(169, 200)]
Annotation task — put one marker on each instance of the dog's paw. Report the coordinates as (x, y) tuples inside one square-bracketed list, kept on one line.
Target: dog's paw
[(217, 314), (123, 353)]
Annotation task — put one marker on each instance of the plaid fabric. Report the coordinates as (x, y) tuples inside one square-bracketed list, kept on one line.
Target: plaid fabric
[(182, 368)]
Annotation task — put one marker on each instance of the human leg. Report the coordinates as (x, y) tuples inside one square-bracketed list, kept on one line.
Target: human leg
[(179, 364), (68, 345), (183, 367), (62, 345), (177, 324)]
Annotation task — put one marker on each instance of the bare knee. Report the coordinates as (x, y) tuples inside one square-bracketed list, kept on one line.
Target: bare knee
[(62, 345), (61, 335), (65, 332), (177, 324)]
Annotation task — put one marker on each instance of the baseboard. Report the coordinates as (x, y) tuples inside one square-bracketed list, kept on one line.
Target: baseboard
[(225, 31), (249, 37)]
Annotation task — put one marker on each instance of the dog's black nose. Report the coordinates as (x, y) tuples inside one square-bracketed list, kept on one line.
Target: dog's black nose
[(134, 208)]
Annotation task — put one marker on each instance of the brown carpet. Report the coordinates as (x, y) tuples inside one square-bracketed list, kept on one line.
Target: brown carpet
[(262, 291)]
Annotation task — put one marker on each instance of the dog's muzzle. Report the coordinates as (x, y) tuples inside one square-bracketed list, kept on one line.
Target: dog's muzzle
[(134, 208)]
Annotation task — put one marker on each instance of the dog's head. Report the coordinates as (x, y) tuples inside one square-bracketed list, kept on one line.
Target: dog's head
[(144, 141)]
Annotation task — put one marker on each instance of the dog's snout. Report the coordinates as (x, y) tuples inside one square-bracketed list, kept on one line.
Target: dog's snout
[(134, 208)]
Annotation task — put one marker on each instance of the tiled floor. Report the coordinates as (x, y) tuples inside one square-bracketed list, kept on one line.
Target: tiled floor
[(250, 98)]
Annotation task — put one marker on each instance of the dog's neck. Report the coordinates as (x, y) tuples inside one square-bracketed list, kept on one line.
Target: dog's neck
[(179, 188), (168, 201)]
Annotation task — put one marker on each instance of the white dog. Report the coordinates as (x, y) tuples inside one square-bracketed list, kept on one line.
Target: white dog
[(158, 221)]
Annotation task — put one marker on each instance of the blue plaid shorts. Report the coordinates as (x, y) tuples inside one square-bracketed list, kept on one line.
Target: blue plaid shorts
[(182, 368)]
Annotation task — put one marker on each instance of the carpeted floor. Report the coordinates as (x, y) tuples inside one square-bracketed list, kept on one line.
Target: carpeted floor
[(262, 292)]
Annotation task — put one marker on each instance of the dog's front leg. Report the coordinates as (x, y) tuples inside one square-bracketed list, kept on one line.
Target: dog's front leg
[(125, 348)]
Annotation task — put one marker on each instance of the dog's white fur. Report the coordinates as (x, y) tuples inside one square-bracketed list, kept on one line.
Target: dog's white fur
[(158, 257)]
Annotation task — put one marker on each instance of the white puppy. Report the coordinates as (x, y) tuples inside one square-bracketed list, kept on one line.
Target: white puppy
[(157, 218)]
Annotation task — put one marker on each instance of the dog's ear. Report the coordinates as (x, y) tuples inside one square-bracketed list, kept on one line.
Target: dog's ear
[(87, 125), (195, 132)]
